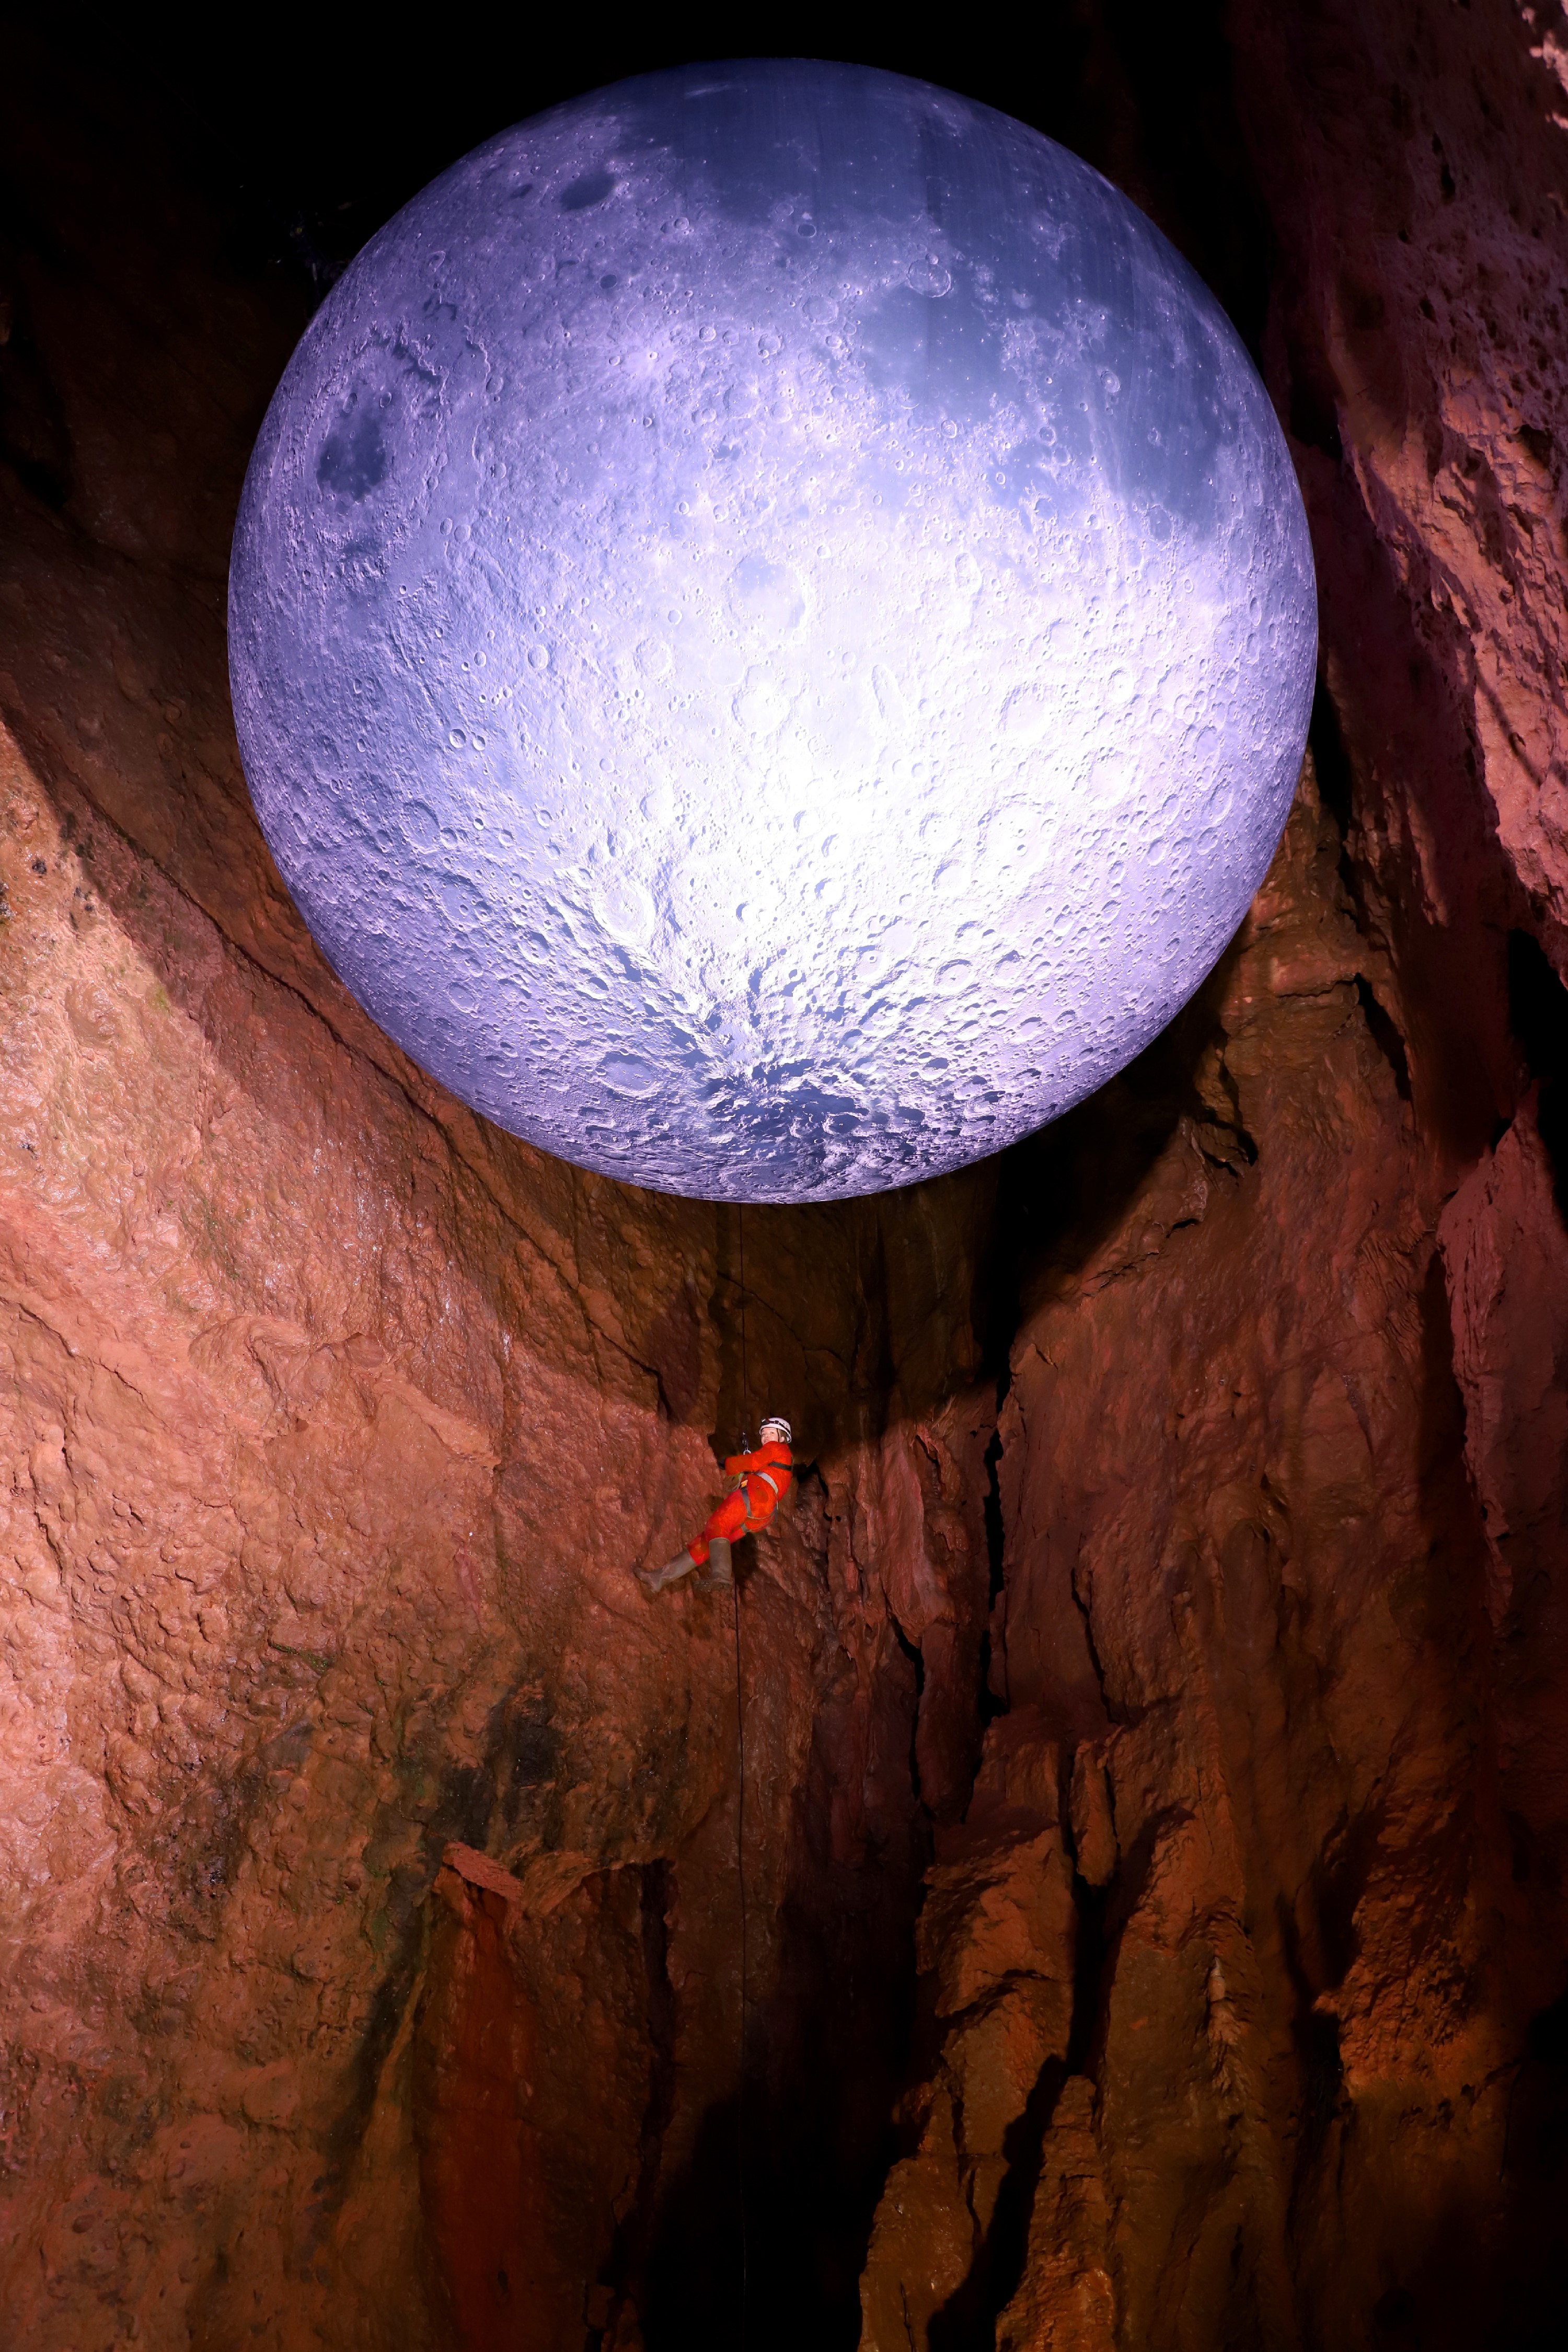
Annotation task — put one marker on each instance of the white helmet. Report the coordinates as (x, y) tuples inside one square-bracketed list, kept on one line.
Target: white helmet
[(780, 1428)]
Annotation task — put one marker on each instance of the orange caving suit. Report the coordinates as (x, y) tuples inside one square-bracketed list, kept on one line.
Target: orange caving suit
[(761, 1482)]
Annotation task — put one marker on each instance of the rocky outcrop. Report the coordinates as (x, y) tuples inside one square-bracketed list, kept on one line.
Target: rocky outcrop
[(1149, 1875), (1238, 1632)]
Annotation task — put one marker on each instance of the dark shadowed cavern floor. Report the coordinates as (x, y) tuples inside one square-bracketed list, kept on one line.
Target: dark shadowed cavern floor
[(1157, 1700)]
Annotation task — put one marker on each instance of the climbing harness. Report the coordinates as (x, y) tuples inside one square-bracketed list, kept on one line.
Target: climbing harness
[(740, 1803)]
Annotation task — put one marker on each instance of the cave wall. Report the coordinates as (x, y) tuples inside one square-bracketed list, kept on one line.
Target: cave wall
[(1283, 1442), (1155, 1799), (335, 1424)]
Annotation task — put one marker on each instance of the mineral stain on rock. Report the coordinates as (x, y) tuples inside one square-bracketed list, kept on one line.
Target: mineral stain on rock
[(1156, 1799)]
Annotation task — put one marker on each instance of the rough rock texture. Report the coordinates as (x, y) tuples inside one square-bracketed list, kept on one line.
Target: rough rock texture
[(1156, 1791), (1240, 1612)]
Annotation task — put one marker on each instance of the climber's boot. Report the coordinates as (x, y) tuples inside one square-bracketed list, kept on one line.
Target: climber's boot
[(654, 1579), (720, 1572)]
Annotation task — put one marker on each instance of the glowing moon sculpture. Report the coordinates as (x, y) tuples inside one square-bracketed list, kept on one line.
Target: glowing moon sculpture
[(772, 630)]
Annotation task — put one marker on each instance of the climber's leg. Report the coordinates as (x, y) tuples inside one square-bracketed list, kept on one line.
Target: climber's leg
[(728, 1524), (720, 1571), (654, 1579), (724, 1525)]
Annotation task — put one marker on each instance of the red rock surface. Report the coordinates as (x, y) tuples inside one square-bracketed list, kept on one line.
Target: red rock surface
[(1156, 1794)]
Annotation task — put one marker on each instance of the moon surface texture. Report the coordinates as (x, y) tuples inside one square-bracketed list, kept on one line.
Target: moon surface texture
[(772, 630)]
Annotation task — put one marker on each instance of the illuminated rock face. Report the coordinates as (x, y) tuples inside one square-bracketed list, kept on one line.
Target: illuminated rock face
[(772, 630)]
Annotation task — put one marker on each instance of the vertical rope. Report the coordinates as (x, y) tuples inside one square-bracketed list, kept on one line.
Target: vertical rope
[(740, 1872), (741, 1806)]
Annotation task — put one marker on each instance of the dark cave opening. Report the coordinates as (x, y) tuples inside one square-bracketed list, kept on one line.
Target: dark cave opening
[(1538, 1016), (827, 2048), (1330, 759)]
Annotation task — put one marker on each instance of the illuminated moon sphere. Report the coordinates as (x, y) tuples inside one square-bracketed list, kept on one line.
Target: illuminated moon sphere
[(772, 630)]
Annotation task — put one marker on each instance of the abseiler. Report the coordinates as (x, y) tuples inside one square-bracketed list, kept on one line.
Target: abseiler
[(772, 630)]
